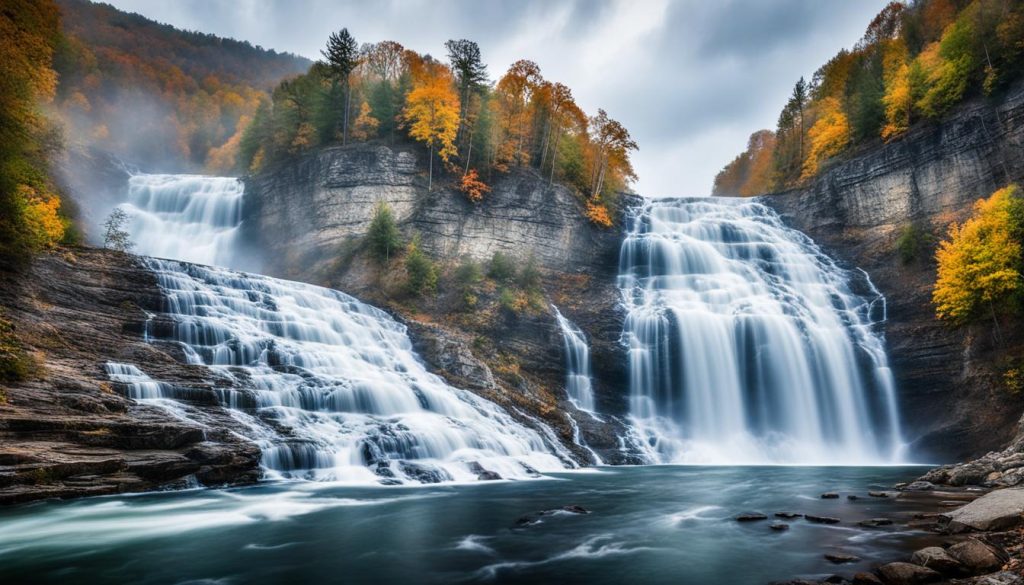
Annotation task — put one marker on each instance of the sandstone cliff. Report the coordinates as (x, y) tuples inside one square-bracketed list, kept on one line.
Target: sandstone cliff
[(308, 219), (953, 400)]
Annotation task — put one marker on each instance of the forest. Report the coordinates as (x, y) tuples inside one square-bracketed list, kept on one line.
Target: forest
[(915, 61), (156, 95), (471, 128)]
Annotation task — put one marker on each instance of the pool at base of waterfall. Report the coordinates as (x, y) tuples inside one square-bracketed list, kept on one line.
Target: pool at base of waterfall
[(644, 525)]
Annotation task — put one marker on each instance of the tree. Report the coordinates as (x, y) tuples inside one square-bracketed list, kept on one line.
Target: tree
[(979, 264), (829, 135), (115, 236), (432, 112), (342, 56), (365, 126), (514, 93), (612, 144), (383, 234), (473, 187), (468, 66), (421, 272)]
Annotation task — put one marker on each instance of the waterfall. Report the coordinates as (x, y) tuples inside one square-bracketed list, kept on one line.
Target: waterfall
[(329, 387), (747, 344), (578, 375), (185, 217)]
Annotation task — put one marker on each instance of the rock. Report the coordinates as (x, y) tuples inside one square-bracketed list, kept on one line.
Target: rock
[(574, 509), (852, 497), (841, 558), (830, 496), (866, 579), (875, 522), (483, 474), (975, 556), (821, 519), (907, 574), (997, 510), (779, 526), (936, 558), (536, 517), (788, 515), (751, 517), (1010, 477), (919, 486), (878, 494)]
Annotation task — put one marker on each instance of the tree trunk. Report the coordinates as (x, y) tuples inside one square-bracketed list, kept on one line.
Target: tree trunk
[(430, 173), (348, 97), (554, 159)]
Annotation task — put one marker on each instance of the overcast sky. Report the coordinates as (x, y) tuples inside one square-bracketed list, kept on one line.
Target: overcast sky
[(690, 79)]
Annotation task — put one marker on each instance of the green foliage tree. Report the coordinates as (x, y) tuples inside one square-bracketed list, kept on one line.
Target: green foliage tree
[(502, 268), (383, 235), (468, 276), (420, 270)]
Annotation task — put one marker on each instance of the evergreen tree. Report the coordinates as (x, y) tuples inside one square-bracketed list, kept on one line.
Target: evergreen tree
[(420, 270), (342, 55), (383, 235)]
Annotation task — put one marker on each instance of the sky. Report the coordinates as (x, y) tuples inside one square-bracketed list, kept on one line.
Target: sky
[(690, 79)]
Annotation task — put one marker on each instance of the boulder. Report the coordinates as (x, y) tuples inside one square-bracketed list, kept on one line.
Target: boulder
[(787, 515), (936, 558), (821, 519), (751, 517), (878, 494), (830, 496), (919, 486), (866, 579), (840, 558), (997, 510), (907, 574), (875, 522), (975, 556), (779, 526)]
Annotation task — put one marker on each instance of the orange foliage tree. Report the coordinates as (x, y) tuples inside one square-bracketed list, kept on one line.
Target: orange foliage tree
[(432, 112)]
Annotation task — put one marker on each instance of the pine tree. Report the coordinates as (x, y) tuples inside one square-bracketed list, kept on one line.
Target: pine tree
[(342, 55), (383, 234)]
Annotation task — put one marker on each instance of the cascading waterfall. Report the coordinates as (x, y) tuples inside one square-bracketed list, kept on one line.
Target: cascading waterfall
[(328, 386), (578, 376), (748, 345), (185, 217)]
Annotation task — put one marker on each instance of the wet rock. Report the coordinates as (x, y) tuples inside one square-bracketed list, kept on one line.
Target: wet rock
[(821, 519), (751, 517), (830, 496), (536, 517), (779, 526), (841, 558), (423, 473), (483, 474), (1010, 477), (907, 574), (997, 510), (866, 579), (936, 558), (788, 515), (852, 497), (878, 494), (919, 486), (574, 509), (975, 556), (875, 522)]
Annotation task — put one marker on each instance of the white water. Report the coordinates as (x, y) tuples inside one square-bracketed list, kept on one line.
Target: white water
[(748, 345), (329, 387), (578, 374)]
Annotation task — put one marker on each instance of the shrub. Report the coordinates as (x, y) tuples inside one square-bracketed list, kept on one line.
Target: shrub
[(115, 236), (467, 276), (383, 234), (422, 274), (502, 269), (15, 363), (911, 241), (529, 276), (473, 187)]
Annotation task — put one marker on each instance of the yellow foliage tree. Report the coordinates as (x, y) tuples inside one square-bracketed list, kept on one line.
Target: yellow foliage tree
[(432, 112), (898, 98), (45, 226), (829, 135), (365, 126), (979, 262)]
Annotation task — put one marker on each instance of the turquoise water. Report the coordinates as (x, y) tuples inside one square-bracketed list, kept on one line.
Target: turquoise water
[(663, 524)]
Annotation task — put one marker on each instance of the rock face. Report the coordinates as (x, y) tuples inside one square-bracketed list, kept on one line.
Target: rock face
[(308, 220), (998, 510), (949, 379), (68, 432)]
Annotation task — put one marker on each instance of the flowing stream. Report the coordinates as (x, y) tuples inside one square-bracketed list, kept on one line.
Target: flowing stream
[(329, 387), (748, 345)]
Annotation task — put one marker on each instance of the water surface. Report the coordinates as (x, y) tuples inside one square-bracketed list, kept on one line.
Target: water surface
[(663, 524)]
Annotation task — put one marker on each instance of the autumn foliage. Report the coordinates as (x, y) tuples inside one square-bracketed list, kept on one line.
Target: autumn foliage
[(915, 62), (468, 127), (980, 262), (473, 187), (30, 208)]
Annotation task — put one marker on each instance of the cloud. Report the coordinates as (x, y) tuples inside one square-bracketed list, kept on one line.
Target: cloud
[(691, 79)]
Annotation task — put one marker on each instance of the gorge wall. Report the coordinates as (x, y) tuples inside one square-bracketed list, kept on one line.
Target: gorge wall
[(954, 403), (308, 220)]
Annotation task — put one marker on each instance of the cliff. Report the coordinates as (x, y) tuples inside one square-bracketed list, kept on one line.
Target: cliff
[(308, 220), (68, 431), (950, 380)]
